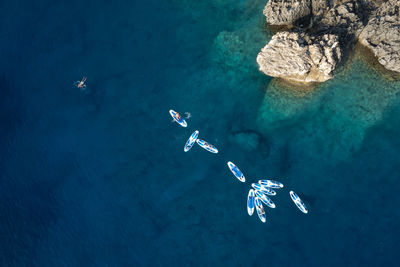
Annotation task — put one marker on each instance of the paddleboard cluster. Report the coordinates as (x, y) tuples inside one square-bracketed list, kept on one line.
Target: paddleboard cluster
[(260, 191)]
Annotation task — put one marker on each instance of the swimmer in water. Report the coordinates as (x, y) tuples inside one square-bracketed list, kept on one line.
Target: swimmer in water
[(81, 84), (188, 115)]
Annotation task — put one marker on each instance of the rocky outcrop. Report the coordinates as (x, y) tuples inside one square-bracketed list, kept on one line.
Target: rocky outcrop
[(382, 35), (286, 12), (310, 53), (318, 8), (344, 19), (300, 56)]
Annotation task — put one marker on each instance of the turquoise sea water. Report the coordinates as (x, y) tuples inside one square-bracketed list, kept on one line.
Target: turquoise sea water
[(99, 177)]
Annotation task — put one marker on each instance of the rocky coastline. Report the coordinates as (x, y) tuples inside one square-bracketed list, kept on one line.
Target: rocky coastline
[(320, 33)]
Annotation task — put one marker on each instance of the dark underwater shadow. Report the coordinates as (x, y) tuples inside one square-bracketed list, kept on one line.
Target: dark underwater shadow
[(367, 56)]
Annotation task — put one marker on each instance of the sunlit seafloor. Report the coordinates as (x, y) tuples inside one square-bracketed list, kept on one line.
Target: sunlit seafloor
[(99, 177)]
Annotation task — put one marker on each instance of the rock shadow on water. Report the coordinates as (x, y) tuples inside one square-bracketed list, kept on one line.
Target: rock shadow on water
[(296, 89), (284, 101), (365, 55)]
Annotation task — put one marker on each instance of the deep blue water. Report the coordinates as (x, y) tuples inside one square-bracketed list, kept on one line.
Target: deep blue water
[(99, 178)]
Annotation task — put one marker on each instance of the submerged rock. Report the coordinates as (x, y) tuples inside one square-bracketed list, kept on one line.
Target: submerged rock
[(300, 56), (248, 140), (229, 49), (382, 35)]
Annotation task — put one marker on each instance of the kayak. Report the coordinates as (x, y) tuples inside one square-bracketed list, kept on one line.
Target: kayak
[(207, 146), (299, 203), (265, 190), (192, 139), (235, 170), (267, 201), (178, 118), (268, 191), (270, 183), (260, 210), (250, 202), (257, 186)]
